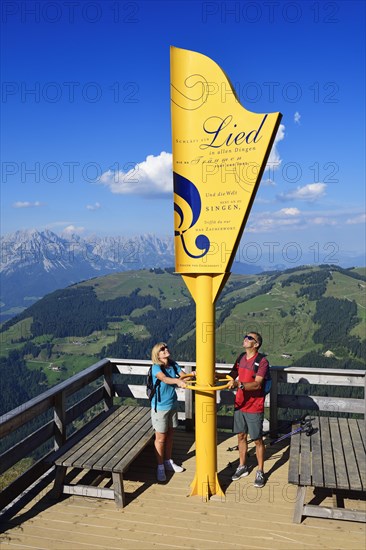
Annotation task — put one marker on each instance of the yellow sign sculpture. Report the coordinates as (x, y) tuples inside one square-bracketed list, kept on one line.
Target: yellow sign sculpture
[(219, 154)]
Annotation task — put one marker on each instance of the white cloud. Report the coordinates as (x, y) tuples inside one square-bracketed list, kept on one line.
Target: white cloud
[(310, 193), (321, 220), (294, 219), (356, 220), (289, 211), (95, 206), (271, 224), (58, 224), (297, 117), (71, 229), (153, 176), (274, 160), (27, 204), (268, 182), (286, 218)]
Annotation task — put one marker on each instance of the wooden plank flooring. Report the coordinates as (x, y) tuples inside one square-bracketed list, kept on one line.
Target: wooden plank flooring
[(163, 516)]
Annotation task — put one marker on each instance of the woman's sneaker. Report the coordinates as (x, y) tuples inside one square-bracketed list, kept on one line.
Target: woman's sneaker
[(160, 473), (259, 479), (172, 467), (241, 471)]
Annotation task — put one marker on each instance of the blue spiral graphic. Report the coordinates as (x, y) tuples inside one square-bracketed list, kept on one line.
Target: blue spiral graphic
[(187, 191)]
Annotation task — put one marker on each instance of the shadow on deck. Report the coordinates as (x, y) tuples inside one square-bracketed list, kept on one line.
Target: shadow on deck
[(164, 516)]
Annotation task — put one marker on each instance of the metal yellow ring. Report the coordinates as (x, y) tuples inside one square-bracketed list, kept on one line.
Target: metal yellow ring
[(211, 388)]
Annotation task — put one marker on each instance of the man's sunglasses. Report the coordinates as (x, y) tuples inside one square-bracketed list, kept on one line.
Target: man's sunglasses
[(250, 338)]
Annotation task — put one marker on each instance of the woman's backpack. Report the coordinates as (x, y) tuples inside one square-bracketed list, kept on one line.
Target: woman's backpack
[(152, 390)]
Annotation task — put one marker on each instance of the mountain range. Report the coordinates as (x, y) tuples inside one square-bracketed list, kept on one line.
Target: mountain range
[(34, 263)]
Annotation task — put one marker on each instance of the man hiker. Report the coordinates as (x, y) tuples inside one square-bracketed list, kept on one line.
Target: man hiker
[(248, 375)]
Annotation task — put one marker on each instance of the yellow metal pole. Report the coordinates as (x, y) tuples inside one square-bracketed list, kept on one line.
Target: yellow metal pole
[(205, 482), (212, 203)]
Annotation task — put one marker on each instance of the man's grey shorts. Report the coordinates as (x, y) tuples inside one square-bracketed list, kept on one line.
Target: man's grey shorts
[(251, 423), (163, 420)]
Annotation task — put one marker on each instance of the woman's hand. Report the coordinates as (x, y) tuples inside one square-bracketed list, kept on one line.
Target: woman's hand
[(185, 375), (181, 384)]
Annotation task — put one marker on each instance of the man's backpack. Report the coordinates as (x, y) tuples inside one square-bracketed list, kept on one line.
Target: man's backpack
[(153, 390), (268, 380)]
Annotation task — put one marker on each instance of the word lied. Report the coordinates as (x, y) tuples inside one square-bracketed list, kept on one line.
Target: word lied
[(218, 128)]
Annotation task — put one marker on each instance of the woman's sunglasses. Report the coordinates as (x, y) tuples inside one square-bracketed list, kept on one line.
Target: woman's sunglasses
[(163, 348)]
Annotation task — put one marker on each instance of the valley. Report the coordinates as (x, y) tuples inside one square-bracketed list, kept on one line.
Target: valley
[(302, 314)]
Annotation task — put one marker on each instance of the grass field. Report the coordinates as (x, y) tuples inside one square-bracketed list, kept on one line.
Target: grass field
[(269, 314), (10, 339), (68, 365), (283, 318), (170, 286)]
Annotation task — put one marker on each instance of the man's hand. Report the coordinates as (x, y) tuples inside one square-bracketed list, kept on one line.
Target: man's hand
[(232, 384)]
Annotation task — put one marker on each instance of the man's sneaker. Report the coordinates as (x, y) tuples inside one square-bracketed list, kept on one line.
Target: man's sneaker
[(241, 471), (259, 479), (160, 473), (172, 467)]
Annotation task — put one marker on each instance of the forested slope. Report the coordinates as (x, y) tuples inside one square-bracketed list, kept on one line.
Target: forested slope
[(302, 313)]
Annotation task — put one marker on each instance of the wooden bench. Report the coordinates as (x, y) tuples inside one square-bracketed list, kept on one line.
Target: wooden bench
[(333, 458), (110, 447)]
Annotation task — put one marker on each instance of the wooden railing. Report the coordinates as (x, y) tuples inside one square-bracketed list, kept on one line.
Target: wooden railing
[(112, 374), (329, 405)]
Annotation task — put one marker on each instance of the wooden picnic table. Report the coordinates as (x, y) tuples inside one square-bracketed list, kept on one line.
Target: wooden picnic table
[(333, 457), (110, 447)]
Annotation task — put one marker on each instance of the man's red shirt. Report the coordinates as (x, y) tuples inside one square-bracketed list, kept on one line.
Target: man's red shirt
[(251, 401)]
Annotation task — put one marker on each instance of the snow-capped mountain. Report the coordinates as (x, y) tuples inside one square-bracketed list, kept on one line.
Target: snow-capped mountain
[(34, 263)]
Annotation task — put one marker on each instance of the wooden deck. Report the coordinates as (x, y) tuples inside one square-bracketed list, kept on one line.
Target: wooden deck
[(164, 516), (331, 455)]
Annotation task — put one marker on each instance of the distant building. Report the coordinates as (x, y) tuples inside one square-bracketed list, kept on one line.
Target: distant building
[(328, 353), (55, 367), (286, 355)]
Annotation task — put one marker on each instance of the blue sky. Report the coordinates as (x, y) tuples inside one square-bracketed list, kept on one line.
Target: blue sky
[(85, 96)]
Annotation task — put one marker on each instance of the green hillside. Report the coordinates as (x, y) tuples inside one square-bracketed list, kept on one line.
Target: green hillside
[(158, 283), (301, 313)]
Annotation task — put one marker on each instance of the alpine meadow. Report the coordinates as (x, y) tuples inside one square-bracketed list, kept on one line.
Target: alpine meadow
[(308, 316)]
